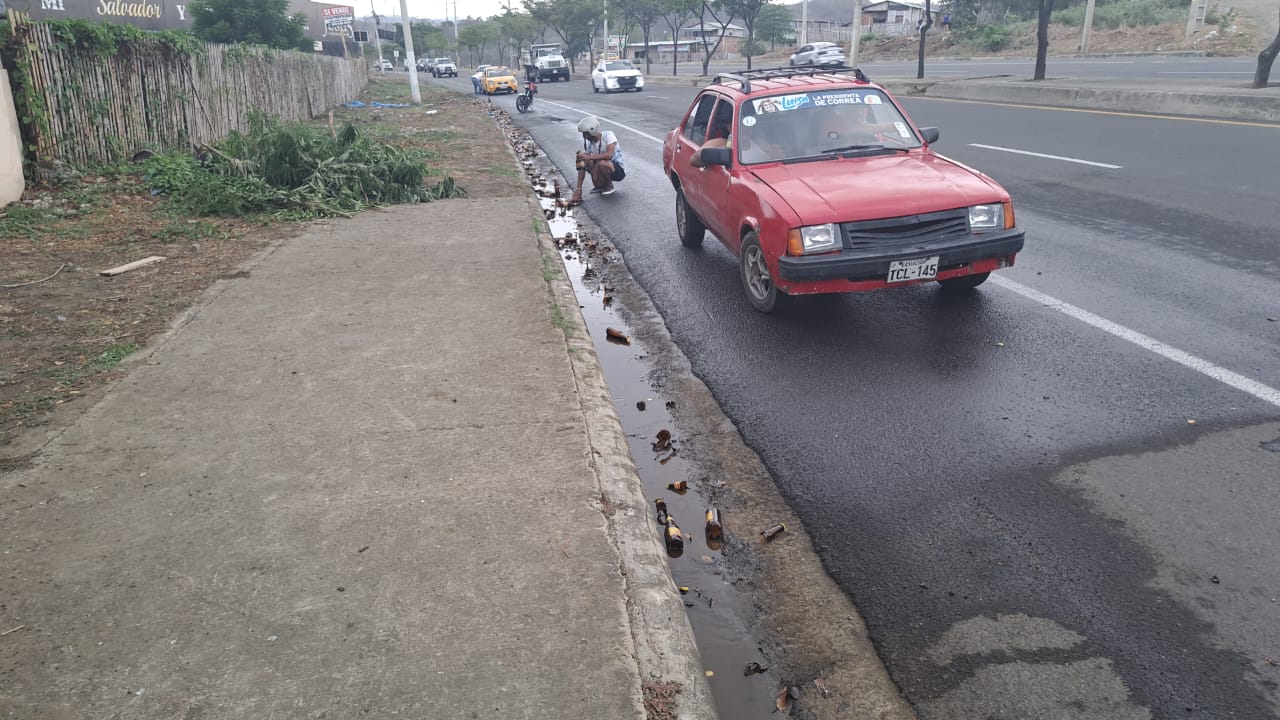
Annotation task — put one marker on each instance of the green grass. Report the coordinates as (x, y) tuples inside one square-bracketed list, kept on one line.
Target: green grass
[(24, 221), (504, 170), (112, 356), (72, 373), (191, 231)]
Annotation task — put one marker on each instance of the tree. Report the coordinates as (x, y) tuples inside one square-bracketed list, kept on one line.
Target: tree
[(676, 13), (713, 10), (574, 21), (1266, 59), (476, 36), (773, 25), (924, 30), (256, 22), (749, 11), (516, 30), (427, 39), (644, 14), (1042, 37)]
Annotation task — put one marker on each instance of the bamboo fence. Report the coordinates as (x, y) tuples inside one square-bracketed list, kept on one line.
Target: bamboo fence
[(100, 108)]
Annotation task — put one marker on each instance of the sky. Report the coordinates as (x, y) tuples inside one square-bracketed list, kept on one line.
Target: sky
[(435, 9)]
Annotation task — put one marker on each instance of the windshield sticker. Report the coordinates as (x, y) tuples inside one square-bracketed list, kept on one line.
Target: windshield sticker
[(847, 98), (781, 103), (749, 120), (902, 129)]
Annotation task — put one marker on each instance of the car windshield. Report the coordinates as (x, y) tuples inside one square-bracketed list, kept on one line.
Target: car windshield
[(819, 124), (619, 65), (496, 71), (444, 61)]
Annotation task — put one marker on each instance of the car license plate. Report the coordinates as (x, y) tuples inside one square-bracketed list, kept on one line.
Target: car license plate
[(917, 269)]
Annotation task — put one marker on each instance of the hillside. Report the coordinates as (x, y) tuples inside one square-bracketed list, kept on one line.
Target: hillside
[(1253, 24)]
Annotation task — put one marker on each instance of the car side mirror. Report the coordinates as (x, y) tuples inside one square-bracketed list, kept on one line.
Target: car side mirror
[(716, 156), (930, 134)]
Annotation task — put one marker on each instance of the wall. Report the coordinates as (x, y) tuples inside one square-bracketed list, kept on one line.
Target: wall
[(11, 180), (93, 106)]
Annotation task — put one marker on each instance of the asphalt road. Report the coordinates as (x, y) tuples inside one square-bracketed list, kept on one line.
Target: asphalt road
[(1053, 497)]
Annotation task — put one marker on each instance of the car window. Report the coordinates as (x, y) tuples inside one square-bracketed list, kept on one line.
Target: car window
[(618, 65), (695, 126), (826, 119)]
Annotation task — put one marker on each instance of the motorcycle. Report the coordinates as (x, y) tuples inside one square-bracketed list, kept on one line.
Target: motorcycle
[(525, 101)]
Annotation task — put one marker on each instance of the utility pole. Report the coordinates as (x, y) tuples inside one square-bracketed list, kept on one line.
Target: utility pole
[(605, 53), (804, 22), (409, 60), (855, 33), (377, 37), (1088, 25)]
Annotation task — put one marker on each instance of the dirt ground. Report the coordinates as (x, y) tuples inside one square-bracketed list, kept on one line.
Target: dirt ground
[(64, 328)]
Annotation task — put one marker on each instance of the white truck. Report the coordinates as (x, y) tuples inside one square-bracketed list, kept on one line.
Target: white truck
[(544, 61)]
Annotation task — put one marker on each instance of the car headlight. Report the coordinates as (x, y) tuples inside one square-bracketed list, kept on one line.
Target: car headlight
[(813, 239), (986, 217)]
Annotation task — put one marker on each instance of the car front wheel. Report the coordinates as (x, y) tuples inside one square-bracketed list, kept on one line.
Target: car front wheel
[(964, 282), (691, 229), (762, 293)]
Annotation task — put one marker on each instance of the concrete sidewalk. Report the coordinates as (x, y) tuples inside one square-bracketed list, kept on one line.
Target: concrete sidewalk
[(379, 476), (1227, 100)]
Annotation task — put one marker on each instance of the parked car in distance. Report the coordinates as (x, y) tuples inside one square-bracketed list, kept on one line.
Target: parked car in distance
[(824, 54), (610, 75), (443, 66), (384, 64), (498, 78), (820, 183)]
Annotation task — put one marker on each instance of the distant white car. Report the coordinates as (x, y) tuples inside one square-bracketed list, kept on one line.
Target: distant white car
[(824, 54), (386, 65), (611, 75)]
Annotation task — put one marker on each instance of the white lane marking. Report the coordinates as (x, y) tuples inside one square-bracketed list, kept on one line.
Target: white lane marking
[(1205, 72), (641, 133), (1042, 155), (1266, 393), (1249, 386)]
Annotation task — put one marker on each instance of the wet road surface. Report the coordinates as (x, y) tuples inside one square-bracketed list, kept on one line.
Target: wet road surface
[(1037, 516)]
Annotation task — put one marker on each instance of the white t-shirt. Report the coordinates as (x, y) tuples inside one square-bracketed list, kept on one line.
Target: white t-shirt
[(606, 138)]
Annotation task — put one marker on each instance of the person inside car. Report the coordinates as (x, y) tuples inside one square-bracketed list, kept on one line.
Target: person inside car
[(599, 157)]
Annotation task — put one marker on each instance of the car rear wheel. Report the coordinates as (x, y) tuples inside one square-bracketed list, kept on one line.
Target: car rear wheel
[(964, 282), (691, 229), (762, 293)]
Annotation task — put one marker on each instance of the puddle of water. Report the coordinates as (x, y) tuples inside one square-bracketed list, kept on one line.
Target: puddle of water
[(717, 606)]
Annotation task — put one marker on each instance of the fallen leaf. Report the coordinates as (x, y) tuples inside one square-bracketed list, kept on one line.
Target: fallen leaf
[(783, 702), (821, 684), (1191, 421), (711, 673)]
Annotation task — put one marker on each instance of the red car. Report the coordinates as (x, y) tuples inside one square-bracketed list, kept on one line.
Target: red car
[(820, 183)]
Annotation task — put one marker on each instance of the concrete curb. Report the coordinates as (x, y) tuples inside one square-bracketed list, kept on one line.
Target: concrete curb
[(662, 637), (1226, 105)]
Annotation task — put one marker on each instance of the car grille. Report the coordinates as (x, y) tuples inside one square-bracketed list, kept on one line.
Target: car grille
[(627, 81), (553, 63), (891, 232)]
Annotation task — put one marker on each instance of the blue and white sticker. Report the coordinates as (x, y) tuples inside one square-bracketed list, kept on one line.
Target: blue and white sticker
[(781, 103)]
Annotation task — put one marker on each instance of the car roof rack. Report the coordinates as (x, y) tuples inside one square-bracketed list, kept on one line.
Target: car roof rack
[(745, 77)]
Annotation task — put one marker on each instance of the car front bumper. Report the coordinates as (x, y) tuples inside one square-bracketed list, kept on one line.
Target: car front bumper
[(956, 257)]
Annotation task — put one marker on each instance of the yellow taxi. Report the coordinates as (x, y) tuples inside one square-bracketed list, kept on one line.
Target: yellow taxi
[(498, 79)]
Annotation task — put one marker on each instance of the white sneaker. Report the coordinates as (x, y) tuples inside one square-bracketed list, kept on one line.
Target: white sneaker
[(609, 191)]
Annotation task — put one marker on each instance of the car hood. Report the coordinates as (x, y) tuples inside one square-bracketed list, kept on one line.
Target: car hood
[(866, 188)]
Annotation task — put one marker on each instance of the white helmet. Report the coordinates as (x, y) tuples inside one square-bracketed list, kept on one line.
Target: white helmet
[(590, 125)]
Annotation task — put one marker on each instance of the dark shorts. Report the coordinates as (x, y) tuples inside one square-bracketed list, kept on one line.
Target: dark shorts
[(618, 173)]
